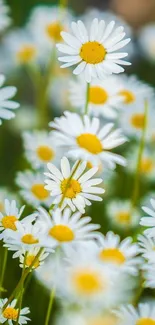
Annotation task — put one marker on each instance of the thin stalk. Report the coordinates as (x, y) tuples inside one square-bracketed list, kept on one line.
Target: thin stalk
[(22, 279), (21, 290), (68, 183), (140, 155), (87, 99), (3, 270), (47, 319)]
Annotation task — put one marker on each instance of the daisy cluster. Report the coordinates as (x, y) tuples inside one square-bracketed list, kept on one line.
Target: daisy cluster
[(96, 277)]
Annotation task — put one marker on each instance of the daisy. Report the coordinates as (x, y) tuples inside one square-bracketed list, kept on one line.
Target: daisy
[(121, 254), (40, 148), (147, 247), (144, 315), (103, 98), (5, 20), (147, 165), (72, 186), (85, 280), (46, 24), (6, 104), (27, 260), (27, 236), (149, 220), (149, 271), (10, 216), (5, 193), (85, 139), (67, 228), (26, 118), (10, 313), (146, 39), (119, 214), (94, 52), (59, 93), (32, 188), (132, 90)]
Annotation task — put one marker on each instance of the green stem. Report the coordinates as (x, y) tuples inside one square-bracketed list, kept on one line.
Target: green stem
[(3, 270), (140, 155), (22, 279), (87, 99), (50, 307), (20, 298), (68, 183)]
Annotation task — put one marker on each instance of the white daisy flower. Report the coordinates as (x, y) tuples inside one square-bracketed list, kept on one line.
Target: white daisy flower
[(95, 51), (10, 215), (59, 93), (86, 281), (149, 220), (5, 20), (85, 139), (146, 39), (119, 214), (144, 315), (66, 228), (132, 90), (27, 236), (32, 188), (27, 260), (121, 254), (103, 97), (46, 24), (147, 165), (147, 247), (6, 104), (10, 313), (149, 272), (72, 185), (40, 148), (5, 193)]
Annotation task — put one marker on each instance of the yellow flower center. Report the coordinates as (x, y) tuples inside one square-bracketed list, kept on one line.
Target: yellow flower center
[(145, 321), (45, 153), (90, 142), (62, 233), (112, 255), (53, 30), (137, 120), (29, 239), (29, 261), (71, 189), (104, 320), (92, 52), (123, 217), (39, 191), (8, 222), (10, 313), (97, 95), (146, 165), (129, 97), (87, 282), (26, 53)]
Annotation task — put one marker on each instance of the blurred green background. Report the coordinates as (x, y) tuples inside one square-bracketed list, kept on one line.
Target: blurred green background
[(11, 151)]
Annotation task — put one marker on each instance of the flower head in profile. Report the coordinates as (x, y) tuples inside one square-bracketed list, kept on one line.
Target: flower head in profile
[(65, 228), (149, 220), (72, 186), (86, 139), (10, 313), (7, 105), (27, 259), (94, 52)]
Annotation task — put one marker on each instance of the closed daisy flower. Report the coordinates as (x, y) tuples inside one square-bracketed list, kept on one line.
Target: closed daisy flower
[(72, 186), (119, 214), (149, 220), (10, 215), (86, 139), (103, 97), (144, 315), (40, 148), (6, 104), (32, 188), (120, 254), (67, 228), (10, 313), (95, 51)]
